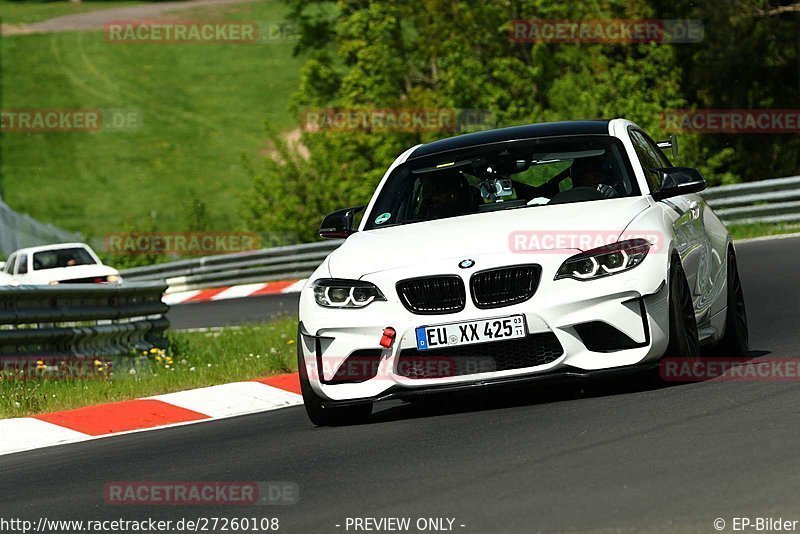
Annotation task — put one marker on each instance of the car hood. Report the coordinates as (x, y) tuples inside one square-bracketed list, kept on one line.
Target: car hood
[(563, 226)]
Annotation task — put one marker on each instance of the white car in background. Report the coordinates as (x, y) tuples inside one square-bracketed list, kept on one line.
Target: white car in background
[(64, 263), (510, 255)]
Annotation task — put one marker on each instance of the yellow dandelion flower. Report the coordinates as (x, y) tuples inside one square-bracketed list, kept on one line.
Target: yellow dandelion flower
[(98, 363), (153, 350), (290, 341)]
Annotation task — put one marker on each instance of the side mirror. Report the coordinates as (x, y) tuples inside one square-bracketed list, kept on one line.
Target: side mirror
[(671, 143), (678, 181), (340, 223)]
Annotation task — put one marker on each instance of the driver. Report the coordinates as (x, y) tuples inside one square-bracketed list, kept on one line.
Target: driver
[(593, 173), (445, 194)]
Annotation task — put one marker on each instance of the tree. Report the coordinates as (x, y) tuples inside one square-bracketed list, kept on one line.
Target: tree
[(436, 54), (748, 59)]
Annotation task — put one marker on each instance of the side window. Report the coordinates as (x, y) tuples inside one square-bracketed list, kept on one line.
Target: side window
[(9, 268), (22, 264), (647, 158), (657, 153)]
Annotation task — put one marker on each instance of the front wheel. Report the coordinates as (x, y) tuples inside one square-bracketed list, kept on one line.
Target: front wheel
[(322, 415), (735, 342), (683, 338)]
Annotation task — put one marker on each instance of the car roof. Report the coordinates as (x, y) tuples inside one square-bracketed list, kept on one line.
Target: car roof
[(513, 133), (57, 246)]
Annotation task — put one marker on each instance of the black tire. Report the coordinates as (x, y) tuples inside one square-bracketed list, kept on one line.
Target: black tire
[(683, 338), (325, 415), (735, 342)]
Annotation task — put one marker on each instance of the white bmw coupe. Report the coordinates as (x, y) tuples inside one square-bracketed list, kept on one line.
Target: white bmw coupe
[(513, 255)]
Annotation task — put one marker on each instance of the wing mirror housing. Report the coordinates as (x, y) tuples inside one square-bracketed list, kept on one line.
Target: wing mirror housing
[(671, 143), (339, 224), (678, 181)]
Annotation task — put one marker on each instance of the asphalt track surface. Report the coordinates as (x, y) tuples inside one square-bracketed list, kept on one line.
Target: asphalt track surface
[(232, 312), (602, 455)]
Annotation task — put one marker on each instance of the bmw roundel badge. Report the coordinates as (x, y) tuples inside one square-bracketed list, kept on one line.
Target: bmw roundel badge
[(466, 264)]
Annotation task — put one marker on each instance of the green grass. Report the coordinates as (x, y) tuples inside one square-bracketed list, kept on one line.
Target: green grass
[(35, 11), (205, 112), (195, 360), (746, 231)]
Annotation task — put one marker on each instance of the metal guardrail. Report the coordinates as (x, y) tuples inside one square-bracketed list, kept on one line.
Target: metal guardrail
[(280, 263), (766, 201), (81, 320)]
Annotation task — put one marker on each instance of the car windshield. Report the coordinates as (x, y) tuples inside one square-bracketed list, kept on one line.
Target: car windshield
[(502, 176), (63, 257)]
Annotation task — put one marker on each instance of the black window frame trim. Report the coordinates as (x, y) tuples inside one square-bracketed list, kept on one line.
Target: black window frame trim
[(647, 138)]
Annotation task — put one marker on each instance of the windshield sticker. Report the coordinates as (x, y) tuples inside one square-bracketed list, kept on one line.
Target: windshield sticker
[(382, 218)]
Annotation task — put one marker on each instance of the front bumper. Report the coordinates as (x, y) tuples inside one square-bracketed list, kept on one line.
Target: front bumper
[(634, 303), (470, 386)]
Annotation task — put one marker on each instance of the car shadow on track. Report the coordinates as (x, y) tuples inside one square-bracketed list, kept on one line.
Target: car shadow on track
[(544, 392)]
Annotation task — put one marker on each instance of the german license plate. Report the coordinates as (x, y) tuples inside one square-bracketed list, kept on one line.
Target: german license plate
[(470, 332)]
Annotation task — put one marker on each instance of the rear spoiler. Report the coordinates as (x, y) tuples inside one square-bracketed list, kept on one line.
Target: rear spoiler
[(671, 143)]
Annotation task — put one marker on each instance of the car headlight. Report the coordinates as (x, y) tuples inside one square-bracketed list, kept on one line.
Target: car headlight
[(338, 293), (114, 279), (605, 261)]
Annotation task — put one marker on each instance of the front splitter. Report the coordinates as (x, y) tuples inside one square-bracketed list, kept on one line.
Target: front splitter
[(400, 392)]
